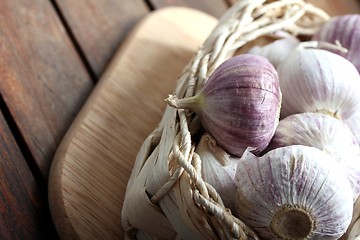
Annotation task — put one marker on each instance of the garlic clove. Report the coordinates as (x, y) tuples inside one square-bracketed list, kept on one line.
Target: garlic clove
[(344, 29), (218, 169), (277, 50), (326, 133), (293, 192), (239, 104), (316, 80)]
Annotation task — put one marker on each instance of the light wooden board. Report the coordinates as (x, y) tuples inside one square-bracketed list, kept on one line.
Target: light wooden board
[(93, 163)]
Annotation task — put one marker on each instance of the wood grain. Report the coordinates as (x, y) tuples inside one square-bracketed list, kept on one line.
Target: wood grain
[(336, 7), (214, 7), (91, 168), (332, 7), (23, 207), (43, 81), (100, 26)]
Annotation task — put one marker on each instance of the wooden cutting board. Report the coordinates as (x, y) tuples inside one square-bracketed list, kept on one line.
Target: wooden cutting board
[(91, 168)]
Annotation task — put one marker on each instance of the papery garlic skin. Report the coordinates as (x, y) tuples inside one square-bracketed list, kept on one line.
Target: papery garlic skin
[(316, 80), (278, 50), (294, 192), (344, 29), (239, 104), (353, 232), (326, 133), (354, 124), (218, 169)]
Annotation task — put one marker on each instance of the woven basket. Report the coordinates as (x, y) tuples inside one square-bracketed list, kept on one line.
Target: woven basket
[(166, 197)]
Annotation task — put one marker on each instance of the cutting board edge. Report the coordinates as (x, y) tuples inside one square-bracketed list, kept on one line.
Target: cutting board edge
[(60, 215)]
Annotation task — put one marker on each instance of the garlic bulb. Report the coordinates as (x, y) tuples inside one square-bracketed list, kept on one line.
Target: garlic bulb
[(218, 169), (277, 50), (293, 192), (325, 133), (353, 123), (316, 80), (345, 30), (239, 104), (353, 232)]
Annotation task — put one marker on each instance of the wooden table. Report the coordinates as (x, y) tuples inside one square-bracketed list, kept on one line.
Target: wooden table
[(52, 54)]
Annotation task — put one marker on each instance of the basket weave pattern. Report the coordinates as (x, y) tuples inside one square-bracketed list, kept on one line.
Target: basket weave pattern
[(166, 196)]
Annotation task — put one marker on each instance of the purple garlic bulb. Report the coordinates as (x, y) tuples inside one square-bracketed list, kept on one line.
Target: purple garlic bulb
[(239, 104), (345, 30)]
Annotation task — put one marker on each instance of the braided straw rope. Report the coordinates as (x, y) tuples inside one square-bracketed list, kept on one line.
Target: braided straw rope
[(167, 169)]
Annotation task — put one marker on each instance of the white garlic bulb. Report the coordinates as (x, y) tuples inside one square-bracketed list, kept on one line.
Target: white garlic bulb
[(354, 124), (325, 133), (316, 80), (353, 232), (218, 169), (277, 50), (293, 192)]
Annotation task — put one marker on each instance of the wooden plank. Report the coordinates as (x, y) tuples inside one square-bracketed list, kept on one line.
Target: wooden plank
[(23, 208), (43, 81), (100, 26), (214, 7), (333, 8)]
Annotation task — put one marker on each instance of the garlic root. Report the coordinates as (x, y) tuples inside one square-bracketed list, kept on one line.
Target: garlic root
[(293, 222)]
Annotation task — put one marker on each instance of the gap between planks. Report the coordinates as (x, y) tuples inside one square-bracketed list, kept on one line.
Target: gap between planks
[(74, 41)]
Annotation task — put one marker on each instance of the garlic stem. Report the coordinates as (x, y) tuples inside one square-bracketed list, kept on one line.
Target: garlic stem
[(323, 45), (192, 103)]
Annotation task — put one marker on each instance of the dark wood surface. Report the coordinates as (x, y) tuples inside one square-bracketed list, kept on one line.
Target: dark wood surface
[(43, 80), (99, 27), (23, 209), (52, 53), (214, 7)]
